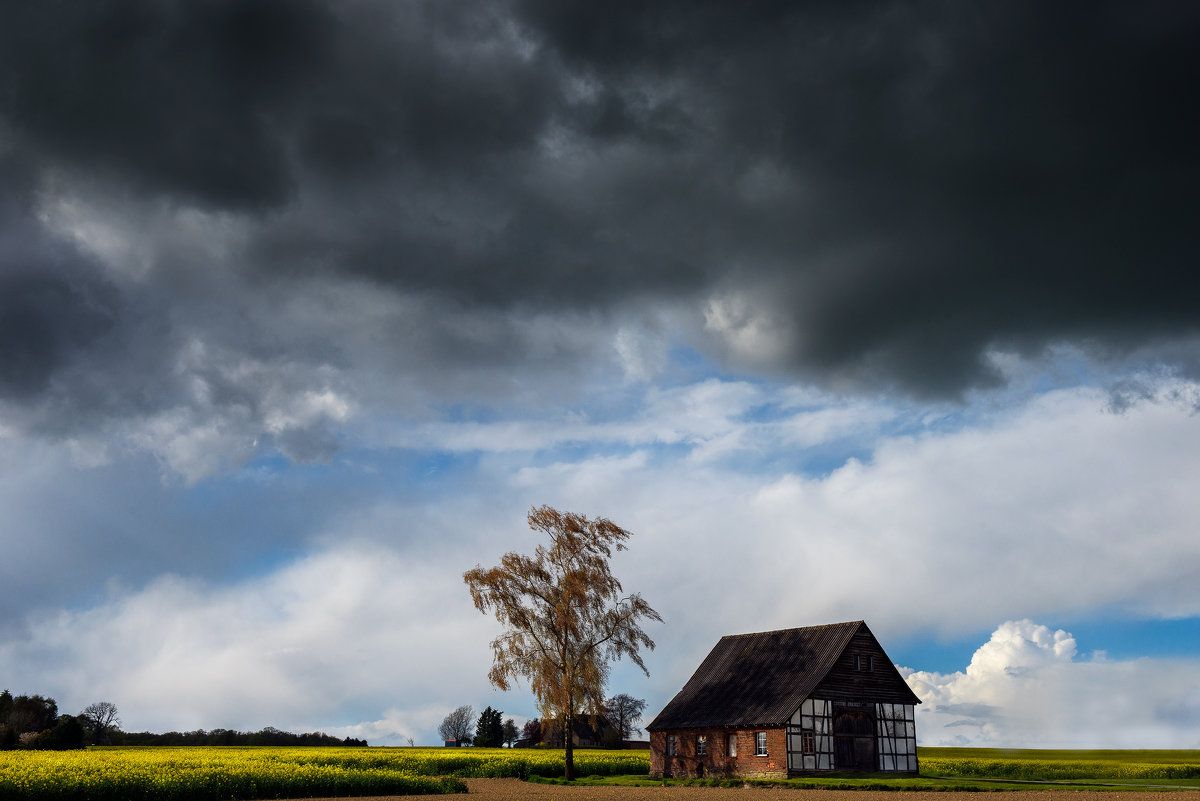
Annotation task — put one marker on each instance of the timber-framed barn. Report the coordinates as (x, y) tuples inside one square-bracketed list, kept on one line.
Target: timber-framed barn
[(788, 703)]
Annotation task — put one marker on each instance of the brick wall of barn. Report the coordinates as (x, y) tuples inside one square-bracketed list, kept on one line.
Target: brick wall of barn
[(717, 762)]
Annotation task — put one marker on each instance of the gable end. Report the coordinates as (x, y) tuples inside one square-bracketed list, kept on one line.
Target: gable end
[(864, 672)]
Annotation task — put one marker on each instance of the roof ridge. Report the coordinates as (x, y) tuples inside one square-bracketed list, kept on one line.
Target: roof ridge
[(792, 628), (761, 678)]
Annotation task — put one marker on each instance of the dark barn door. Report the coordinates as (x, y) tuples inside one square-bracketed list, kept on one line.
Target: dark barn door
[(854, 737)]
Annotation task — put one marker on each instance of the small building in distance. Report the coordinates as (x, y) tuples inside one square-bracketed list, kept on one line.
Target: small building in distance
[(588, 731), (786, 703)]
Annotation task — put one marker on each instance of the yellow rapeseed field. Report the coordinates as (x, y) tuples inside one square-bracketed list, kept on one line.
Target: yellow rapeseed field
[(1062, 765), (184, 774), (518, 763)]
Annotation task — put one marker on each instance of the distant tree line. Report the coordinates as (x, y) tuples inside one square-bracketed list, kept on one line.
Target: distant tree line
[(490, 730), (33, 721), (268, 736), (610, 729)]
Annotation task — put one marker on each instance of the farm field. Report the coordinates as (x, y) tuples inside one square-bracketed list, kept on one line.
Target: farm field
[(202, 773), (183, 774), (1161, 767), (993, 769), (948, 769), (187, 774)]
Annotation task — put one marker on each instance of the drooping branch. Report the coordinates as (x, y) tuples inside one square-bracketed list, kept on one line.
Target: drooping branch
[(564, 615)]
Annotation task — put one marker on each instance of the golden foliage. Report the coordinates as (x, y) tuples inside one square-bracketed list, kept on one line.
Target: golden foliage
[(564, 615)]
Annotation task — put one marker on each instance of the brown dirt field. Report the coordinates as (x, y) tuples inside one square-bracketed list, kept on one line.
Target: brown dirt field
[(517, 790)]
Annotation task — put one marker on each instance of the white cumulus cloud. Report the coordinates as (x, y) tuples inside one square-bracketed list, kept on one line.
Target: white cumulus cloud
[(330, 641), (1027, 687)]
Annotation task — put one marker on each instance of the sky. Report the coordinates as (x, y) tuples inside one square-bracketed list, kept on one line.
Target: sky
[(880, 311)]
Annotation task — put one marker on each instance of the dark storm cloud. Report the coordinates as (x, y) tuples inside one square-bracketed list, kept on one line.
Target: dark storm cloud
[(970, 175), (899, 187), (52, 305), (42, 319), (177, 98)]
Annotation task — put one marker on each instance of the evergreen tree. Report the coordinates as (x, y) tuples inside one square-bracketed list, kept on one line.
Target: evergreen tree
[(489, 731), (511, 734)]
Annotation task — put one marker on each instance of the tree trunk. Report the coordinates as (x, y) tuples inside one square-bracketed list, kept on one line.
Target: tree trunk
[(569, 744)]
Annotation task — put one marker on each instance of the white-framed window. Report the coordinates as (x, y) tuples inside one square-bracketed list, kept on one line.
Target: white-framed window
[(731, 743), (810, 736), (760, 743), (701, 744), (896, 737), (672, 745)]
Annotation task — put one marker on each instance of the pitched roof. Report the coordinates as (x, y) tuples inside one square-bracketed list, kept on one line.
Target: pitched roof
[(757, 679)]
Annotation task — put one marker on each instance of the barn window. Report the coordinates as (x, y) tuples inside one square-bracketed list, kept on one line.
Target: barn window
[(672, 745), (731, 741), (896, 737), (760, 743), (701, 744), (862, 662), (815, 720)]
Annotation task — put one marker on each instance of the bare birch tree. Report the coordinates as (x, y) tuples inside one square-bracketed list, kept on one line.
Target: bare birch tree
[(623, 711), (457, 725), (100, 717), (564, 615)]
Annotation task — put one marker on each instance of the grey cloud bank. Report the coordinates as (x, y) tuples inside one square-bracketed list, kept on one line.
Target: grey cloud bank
[(884, 193), (292, 287)]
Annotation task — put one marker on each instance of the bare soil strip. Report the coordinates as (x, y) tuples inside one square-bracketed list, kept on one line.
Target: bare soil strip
[(517, 790)]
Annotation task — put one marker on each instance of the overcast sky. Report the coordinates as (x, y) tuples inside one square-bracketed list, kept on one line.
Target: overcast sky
[(883, 311)]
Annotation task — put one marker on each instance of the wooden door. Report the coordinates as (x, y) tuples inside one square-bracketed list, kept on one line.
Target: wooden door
[(854, 739)]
